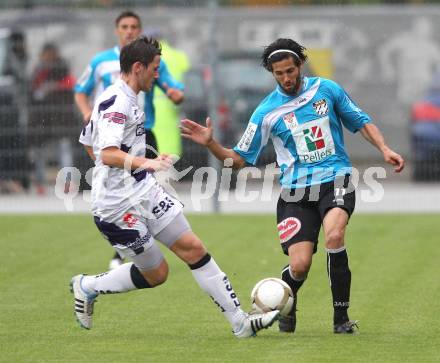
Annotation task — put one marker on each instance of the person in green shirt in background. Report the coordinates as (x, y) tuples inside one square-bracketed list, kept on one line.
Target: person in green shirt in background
[(166, 131)]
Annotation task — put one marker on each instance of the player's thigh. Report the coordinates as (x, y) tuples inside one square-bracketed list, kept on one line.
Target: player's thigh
[(129, 235), (159, 208), (334, 224), (336, 204), (337, 194), (170, 227), (297, 222)]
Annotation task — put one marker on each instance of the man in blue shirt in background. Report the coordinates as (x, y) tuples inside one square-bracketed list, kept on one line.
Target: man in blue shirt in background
[(104, 69), (304, 117)]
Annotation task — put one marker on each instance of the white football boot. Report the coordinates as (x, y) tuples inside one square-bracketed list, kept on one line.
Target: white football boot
[(255, 322), (83, 302)]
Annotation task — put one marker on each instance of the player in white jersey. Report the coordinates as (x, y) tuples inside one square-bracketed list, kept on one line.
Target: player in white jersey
[(104, 70), (130, 208), (304, 117)]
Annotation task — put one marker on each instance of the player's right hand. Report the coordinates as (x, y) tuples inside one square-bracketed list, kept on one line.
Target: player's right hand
[(161, 163), (196, 132)]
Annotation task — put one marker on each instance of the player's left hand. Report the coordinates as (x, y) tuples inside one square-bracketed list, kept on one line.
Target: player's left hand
[(174, 94), (395, 159), (167, 157)]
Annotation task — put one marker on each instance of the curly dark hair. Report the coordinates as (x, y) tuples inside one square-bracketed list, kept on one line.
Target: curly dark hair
[(283, 43), (143, 50)]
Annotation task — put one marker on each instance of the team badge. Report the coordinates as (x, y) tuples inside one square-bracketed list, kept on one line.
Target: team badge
[(140, 129), (290, 120), (321, 107), (288, 228)]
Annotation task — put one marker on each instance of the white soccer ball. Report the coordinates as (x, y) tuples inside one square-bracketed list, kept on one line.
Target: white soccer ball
[(272, 294)]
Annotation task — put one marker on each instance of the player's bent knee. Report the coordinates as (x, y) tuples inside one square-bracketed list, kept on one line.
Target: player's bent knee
[(300, 269), (157, 276), (334, 239)]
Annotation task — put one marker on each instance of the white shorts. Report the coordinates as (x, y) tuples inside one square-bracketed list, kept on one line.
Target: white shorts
[(132, 232)]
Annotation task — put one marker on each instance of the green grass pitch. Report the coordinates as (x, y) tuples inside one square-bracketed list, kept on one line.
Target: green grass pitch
[(395, 262)]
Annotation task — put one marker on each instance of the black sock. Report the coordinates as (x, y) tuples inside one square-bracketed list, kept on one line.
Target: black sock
[(340, 280), (117, 256), (287, 278), (137, 278)]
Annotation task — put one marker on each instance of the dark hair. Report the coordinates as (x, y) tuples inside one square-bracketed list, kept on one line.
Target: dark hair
[(282, 43), (128, 14), (143, 50)]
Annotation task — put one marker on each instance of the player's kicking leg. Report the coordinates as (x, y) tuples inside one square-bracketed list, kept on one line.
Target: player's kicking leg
[(294, 274), (147, 270), (187, 246)]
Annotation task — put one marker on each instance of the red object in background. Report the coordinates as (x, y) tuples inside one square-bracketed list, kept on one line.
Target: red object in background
[(223, 114), (425, 112)]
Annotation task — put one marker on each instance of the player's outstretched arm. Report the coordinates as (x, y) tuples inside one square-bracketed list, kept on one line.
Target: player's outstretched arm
[(115, 157), (372, 134), (204, 136)]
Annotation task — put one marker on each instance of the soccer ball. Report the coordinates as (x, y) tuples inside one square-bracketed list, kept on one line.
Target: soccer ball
[(272, 294)]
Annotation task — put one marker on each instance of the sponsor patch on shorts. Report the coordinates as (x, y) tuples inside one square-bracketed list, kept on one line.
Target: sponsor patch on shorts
[(288, 228)]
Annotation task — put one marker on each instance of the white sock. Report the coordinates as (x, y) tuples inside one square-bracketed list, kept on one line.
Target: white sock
[(110, 282), (216, 284)]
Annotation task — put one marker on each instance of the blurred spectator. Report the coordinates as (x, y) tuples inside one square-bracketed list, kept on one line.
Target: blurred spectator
[(13, 116), (166, 130), (425, 134), (52, 116)]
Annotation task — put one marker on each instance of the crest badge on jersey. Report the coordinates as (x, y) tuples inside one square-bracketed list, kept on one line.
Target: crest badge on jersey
[(290, 120), (321, 107)]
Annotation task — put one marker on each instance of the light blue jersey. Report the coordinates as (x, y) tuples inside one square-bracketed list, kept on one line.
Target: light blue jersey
[(306, 131), (104, 69)]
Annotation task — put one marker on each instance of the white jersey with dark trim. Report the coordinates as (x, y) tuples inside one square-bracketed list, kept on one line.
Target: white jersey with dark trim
[(118, 121)]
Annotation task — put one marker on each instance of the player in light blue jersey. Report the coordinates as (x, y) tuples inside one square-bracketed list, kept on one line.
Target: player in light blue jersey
[(305, 117), (104, 69)]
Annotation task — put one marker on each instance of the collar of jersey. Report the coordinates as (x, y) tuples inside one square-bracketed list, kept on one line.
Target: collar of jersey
[(117, 50), (305, 86), (126, 89)]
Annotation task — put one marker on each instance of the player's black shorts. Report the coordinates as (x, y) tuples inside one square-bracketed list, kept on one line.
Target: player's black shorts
[(150, 140), (300, 217)]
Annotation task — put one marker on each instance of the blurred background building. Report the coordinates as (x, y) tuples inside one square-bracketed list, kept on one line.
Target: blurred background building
[(386, 54)]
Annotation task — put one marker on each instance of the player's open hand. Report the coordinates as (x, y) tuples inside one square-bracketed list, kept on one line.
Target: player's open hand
[(395, 159), (199, 134)]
